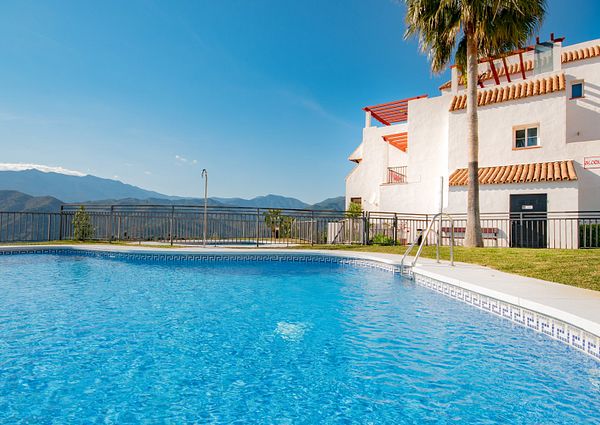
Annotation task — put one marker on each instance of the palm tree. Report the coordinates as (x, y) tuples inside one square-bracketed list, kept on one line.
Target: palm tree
[(470, 29)]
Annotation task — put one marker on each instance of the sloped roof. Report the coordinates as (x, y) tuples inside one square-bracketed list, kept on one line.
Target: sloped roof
[(519, 173), (357, 155), (398, 140), (579, 54), (519, 90)]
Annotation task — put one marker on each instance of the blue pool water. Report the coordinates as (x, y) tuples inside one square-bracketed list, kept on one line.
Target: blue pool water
[(90, 340)]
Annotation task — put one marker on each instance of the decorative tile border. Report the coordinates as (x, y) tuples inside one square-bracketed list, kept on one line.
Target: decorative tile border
[(554, 328), (209, 257)]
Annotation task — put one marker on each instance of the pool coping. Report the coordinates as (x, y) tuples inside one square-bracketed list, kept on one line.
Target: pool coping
[(565, 313)]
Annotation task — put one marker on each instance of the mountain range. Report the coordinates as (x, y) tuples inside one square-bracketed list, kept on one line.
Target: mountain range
[(34, 190)]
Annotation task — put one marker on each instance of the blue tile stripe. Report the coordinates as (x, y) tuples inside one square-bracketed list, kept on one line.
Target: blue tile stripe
[(554, 328), (209, 257)]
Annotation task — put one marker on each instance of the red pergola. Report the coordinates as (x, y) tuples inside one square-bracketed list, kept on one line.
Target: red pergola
[(391, 112)]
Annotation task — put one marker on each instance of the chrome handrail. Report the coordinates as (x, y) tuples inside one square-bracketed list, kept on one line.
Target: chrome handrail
[(424, 235)]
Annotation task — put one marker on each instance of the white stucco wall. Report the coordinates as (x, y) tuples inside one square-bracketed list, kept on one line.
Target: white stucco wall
[(568, 130), (366, 178)]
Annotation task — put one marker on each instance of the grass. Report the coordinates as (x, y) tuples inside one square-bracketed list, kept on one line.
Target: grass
[(569, 266)]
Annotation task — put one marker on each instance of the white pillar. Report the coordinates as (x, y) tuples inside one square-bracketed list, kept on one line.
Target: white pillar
[(556, 56), (367, 119), (454, 71)]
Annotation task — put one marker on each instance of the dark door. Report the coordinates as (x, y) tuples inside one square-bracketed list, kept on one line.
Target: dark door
[(528, 221)]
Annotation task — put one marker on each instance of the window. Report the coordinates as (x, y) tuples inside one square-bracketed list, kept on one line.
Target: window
[(356, 201), (526, 137), (576, 89)]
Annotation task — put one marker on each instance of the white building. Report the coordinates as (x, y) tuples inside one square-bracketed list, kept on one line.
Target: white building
[(539, 139)]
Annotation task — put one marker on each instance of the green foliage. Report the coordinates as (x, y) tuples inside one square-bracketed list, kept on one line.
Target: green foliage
[(82, 225), (589, 235), (354, 210), (280, 225), (381, 239), (496, 27)]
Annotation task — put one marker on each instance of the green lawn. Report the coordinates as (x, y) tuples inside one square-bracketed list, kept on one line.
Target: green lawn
[(572, 267)]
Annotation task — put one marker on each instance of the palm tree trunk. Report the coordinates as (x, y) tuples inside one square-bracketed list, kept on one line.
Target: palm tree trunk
[(473, 236)]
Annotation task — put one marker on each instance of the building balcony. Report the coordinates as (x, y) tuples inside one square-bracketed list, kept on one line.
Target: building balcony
[(396, 175)]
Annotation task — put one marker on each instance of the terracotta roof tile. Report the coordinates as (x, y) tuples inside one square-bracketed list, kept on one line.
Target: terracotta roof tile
[(398, 140), (519, 173), (579, 54), (522, 89)]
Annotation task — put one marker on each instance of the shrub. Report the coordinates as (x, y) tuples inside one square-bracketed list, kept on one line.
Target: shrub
[(279, 224), (381, 239), (589, 235), (354, 210), (82, 225)]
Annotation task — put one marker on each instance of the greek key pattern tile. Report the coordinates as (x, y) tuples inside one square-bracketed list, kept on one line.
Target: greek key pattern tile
[(209, 257), (554, 328)]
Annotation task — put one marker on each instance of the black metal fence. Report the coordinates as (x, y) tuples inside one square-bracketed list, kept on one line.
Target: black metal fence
[(284, 227)]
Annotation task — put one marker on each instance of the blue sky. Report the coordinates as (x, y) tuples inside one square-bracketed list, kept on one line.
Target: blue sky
[(266, 95)]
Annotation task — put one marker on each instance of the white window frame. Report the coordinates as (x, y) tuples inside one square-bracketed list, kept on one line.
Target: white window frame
[(574, 82), (526, 127)]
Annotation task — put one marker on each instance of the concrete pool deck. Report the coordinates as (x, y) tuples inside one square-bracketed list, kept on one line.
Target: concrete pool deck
[(530, 302)]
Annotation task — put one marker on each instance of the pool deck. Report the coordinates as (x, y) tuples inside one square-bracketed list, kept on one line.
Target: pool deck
[(575, 306)]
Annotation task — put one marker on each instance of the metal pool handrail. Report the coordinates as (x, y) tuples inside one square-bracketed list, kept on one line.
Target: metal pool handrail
[(425, 234)]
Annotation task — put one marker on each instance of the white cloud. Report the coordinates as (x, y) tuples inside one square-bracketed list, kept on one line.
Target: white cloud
[(147, 173), (180, 158), (5, 166), (195, 161)]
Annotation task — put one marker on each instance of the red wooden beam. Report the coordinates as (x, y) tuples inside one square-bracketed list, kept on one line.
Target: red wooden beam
[(396, 101), (494, 72), (377, 117), (522, 66), (506, 69)]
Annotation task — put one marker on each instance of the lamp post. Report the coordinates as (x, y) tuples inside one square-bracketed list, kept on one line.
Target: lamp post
[(205, 177)]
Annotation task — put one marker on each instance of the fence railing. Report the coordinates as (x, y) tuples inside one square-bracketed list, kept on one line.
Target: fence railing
[(396, 175), (261, 226)]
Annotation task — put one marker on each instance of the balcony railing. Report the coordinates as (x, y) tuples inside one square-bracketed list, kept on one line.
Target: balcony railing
[(396, 175)]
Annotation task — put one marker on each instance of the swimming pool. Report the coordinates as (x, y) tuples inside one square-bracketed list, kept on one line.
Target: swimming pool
[(88, 339)]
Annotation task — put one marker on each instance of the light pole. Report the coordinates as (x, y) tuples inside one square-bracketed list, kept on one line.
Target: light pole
[(205, 177)]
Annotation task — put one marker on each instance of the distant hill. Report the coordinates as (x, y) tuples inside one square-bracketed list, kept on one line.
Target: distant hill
[(33, 190), (268, 201), (72, 188), (11, 200), (334, 204)]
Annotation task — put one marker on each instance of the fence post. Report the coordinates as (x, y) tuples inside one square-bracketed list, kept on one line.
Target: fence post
[(395, 229), (110, 227), (49, 226), (257, 227), (171, 224), (426, 226), (60, 228), (367, 219), (312, 227)]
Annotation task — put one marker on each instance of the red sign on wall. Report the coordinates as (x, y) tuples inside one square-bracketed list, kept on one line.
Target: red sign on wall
[(591, 162)]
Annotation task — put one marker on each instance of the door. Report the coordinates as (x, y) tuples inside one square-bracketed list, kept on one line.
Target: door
[(528, 221)]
